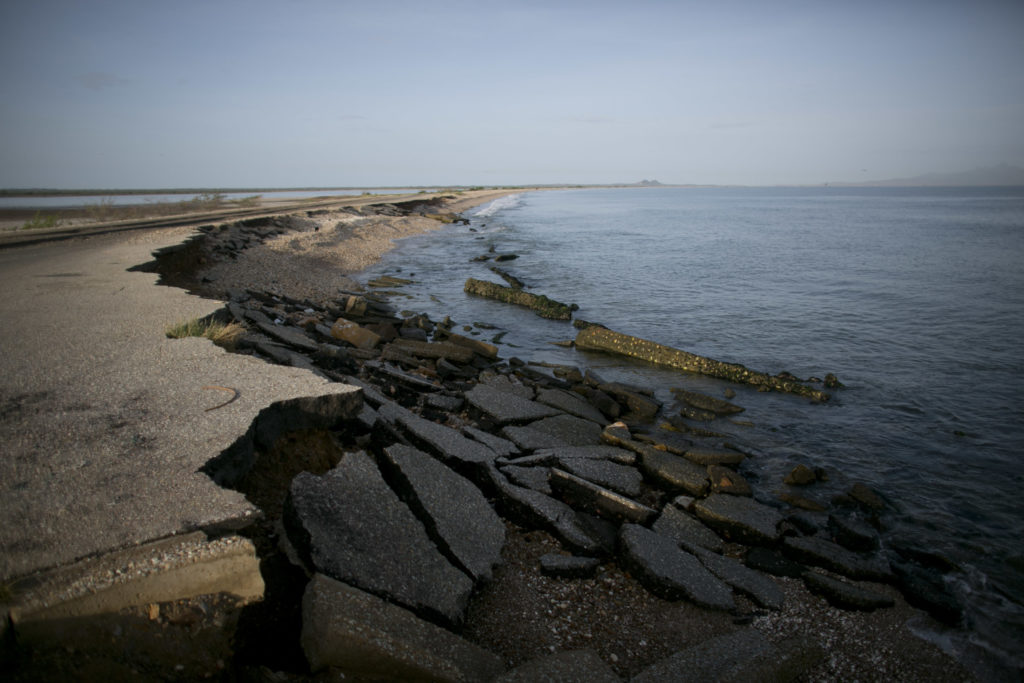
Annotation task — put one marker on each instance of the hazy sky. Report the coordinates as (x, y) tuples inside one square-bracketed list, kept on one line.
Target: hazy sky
[(142, 93)]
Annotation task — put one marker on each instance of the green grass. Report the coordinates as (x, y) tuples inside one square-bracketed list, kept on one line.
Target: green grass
[(40, 221), (220, 334)]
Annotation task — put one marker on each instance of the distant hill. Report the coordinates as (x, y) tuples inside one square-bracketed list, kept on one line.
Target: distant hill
[(649, 183), (1003, 174)]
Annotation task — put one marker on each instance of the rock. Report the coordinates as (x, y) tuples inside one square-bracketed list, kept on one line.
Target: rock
[(368, 638), (607, 405), (535, 478), (531, 439), (602, 501), (505, 407), (483, 349), (845, 594), (668, 571), (665, 440), (724, 480), (452, 353), (568, 566), (755, 585), (530, 508), (609, 453), (721, 658), (926, 589), (284, 355), (443, 404), (741, 519), (357, 336), (773, 562), (705, 402), (389, 373), (573, 666), (350, 525), (596, 338), (853, 534), (821, 552), (506, 384), (866, 497), (641, 407), (571, 431), (806, 522), (538, 303), (455, 513), (571, 403), (502, 447), (802, 475), (801, 502), (465, 455), (682, 527), (673, 472), (292, 336), (708, 456), (622, 479)]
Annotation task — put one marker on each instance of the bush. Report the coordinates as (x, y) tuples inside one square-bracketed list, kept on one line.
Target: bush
[(40, 221), (222, 335)]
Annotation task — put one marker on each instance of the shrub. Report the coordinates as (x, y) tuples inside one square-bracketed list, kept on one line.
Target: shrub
[(40, 221), (222, 335)]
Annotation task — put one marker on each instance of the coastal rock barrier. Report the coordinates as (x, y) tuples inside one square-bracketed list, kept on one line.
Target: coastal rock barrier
[(407, 516)]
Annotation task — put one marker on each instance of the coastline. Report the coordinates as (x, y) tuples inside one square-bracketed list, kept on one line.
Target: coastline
[(521, 610)]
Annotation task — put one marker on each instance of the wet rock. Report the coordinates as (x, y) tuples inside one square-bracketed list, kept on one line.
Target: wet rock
[(844, 594), (596, 338), (350, 525), (927, 589), (569, 566), (482, 349), (602, 501), (696, 414), (505, 407), (805, 522), (821, 552), (673, 472), (571, 403), (773, 562), (665, 440), (801, 502), (604, 403), (853, 533), (683, 527), (710, 456), (453, 353), (741, 519), (538, 303), (755, 585), (571, 431), (641, 407), (863, 495), (724, 480), (619, 478), (573, 666), (705, 402), (668, 571), (455, 513), (801, 475)]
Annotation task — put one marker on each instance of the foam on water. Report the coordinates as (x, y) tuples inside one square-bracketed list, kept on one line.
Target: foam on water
[(509, 201)]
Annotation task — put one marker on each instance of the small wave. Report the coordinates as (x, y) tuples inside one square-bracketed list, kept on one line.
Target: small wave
[(509, 201)]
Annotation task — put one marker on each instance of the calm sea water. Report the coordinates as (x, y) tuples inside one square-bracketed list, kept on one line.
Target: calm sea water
[(914, 298)]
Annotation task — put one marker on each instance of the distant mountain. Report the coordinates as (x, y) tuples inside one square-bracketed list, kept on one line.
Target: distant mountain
[(1003, 174)]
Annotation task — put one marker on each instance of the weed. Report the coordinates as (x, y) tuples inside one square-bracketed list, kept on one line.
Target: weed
[(220, 334), (40, 221)]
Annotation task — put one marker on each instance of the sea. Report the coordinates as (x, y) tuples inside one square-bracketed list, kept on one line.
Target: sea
[(912, 297)]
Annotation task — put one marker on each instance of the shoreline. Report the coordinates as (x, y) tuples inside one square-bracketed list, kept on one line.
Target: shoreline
[(878, 643)]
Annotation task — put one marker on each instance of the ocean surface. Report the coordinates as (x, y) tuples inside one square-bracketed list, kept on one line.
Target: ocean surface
[(913, 297)]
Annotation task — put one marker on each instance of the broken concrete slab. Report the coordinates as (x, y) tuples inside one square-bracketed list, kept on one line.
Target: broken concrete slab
[(570, 430), (670, 572), (604, 502), (571, 403), (506, 408), (673, 472), (743, 519), (844, 594), (465, 455), (755, 585), (571, 666), (350, 525), (683, 527), (366, 637), (622, 479), (713, 456), (568, 566), (821, 552), (710, 660), (456, 514)]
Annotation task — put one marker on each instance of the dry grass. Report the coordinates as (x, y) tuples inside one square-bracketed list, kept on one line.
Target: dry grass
[(223, 335)]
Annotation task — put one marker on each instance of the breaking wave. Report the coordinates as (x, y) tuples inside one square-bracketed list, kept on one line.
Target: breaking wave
[(509, 201)]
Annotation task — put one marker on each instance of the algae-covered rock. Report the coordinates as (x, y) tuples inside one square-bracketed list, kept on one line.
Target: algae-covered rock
[(538, 303)]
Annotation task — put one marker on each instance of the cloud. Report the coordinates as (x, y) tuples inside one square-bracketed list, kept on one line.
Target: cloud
[(100, 80)]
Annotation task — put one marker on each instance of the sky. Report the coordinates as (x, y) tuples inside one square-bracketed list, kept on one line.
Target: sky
[(299, 93)]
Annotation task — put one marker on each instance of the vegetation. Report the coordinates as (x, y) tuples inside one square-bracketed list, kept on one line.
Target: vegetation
[(40, 221), (223, 335)]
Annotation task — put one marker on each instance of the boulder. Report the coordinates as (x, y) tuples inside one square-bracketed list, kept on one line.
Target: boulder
[(741, 519), (363, 636), (455, 513), (350, 525), (670, 572), (505, 407)]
